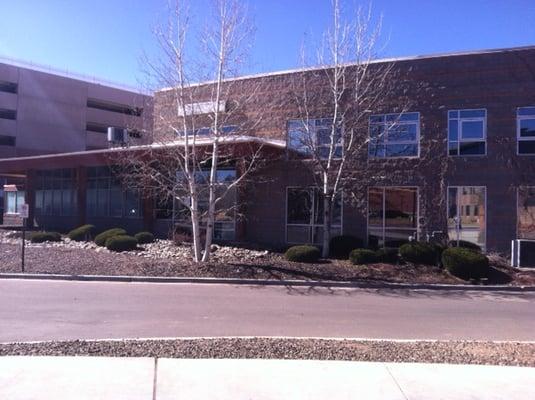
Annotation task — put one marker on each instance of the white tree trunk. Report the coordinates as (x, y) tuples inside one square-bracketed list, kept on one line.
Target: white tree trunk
[(195, 228), (211, 203), (327, 214)]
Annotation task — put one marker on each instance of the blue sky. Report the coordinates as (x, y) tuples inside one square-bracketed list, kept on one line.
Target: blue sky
[(105, 38)]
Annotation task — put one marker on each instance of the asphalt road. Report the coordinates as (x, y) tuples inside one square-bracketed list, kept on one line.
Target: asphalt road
[(49, 310)]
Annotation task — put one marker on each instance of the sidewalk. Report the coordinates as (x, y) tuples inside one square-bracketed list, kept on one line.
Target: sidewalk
[(95, 378)]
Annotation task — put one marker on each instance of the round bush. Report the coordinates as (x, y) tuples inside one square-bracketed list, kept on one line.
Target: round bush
[(465, 263), (100, 239), (362, 256), (419, 253), (341, 246), (464, 244), (82, 233), (41, 237), (307, 254), (144, 237), (121, 243), (387, 255)]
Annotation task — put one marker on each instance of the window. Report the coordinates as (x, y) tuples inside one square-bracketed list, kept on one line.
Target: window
[(55, 193), (304, 216), (225, 216), (466, 214), (467, 132), (314, 136), (526, 213), (7, 140), (14, 201), (392, 215), (96, 127), (394, 135), (114, 107), (8, 87), (525, 131), (8, 114), (105, 196)]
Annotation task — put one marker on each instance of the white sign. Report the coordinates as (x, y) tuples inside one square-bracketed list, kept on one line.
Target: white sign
[(24, 210), (204, 107)]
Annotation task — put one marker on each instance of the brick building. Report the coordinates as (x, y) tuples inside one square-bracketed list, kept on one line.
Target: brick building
[(463, 168)]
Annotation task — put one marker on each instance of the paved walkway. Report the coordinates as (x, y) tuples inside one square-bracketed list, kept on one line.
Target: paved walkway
[(24, 378), (50, 310)]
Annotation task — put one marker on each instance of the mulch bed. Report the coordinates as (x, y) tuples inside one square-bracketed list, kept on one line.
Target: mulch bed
[(57, 260), (451, 352)]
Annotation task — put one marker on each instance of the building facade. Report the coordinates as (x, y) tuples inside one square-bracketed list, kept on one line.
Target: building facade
[(462, 167), (44, 112)]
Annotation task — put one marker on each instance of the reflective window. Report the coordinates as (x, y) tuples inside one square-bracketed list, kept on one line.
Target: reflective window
[(225, 216), (106, 197), (394, 135), (304, 218), (392, 215), (467, 132), (526, 212), (14, 201), (314, 137), (55, 192), (466, 214), (526, 130)]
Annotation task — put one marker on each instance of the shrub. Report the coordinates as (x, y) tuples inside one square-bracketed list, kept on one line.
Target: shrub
[(144, 237), (41, 237), (307, 254), (121, 243), (362, 256), (387, 255), (465, 263), (341, 246), (464, 244), (419, 253), (82, 233), (100, 239)]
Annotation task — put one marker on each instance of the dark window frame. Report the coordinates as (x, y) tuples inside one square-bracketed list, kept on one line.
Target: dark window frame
[(114, 107)]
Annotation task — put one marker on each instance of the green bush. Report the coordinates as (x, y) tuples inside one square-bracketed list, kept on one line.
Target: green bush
[(387, 255), (121, 243), (465, 263), (305, 253), (419, 253), (82, 233), (144, 237), (41, 237), (100, 239), (464, 244), (341, 246), (362, 256)]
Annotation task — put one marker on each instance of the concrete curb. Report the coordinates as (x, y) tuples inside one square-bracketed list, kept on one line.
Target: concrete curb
[(263, 282)]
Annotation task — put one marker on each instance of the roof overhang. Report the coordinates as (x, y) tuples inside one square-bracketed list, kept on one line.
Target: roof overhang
[(19, 165)]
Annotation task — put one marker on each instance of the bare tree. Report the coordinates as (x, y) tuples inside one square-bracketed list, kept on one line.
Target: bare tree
[(198, 128), (344, 88)]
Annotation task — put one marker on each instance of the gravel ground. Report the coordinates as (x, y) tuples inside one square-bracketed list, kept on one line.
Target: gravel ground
[(58, 260), (164, 259), (454, 352)]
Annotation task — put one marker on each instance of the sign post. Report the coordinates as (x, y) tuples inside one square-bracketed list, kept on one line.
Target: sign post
[(23, 212)]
